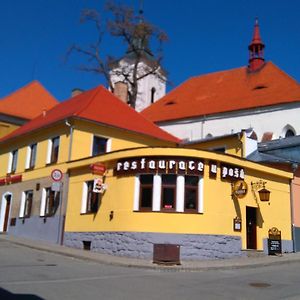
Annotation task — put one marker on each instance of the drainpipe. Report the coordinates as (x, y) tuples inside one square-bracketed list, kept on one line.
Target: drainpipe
[(71, 138), (294, 169)]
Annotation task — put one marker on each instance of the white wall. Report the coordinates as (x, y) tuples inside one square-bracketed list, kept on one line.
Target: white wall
[(261, 120)]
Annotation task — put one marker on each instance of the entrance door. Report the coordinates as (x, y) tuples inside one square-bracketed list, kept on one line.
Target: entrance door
[(7, 210), (251, 227)]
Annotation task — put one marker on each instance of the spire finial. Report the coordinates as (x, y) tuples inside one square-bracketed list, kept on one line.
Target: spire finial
[(256, 49)]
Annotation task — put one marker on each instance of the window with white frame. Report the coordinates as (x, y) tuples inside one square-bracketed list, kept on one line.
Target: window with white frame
[(31, 156), (26, 204), (168, 193), (12, 161), (100, 145), (50, 202), (90, 199), (53, 150)]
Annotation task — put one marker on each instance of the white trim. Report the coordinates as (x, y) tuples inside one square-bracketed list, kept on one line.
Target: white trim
[(43, 203), (180, 185), (108, 145), (22, 205), (84, 198), (200, 196), (136, 197), (10, 158), (92, 145), (3, 210), (28, 155), (49, 149), (156, 198)]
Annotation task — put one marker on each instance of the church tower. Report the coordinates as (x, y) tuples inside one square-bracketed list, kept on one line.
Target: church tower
[(256, 50), (151, 84)]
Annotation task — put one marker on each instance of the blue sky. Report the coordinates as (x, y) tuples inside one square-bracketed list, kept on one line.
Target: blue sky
[(204, 36)]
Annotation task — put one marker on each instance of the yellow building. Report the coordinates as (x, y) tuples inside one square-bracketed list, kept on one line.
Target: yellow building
[(93, 173), (35, 158)]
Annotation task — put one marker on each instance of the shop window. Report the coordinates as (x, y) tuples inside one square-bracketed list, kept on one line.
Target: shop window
[(90, 199), (50, 202), (31, 156), (26, 204), (13, 160), (146, 192), (191, 193), (100, 145), (53, 150), (168, 192)]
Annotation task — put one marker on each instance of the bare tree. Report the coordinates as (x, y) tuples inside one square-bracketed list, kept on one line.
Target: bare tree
[(136, 33)]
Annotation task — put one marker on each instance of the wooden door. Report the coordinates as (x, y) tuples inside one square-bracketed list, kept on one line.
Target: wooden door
[(251, 228)]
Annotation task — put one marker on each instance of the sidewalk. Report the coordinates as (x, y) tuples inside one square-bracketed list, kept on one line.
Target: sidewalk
[(201, 265)]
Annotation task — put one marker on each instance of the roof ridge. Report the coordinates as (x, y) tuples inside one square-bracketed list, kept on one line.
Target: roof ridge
[(20, 89), (86, 105)]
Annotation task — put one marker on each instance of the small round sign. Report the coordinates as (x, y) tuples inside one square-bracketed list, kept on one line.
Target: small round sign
[(56, 175)]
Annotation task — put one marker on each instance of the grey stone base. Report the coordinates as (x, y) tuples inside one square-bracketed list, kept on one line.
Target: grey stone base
[(140, 244), (37, 228)]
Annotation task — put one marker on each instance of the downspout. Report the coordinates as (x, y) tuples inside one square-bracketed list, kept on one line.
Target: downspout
[(294, 169), (71, 138)]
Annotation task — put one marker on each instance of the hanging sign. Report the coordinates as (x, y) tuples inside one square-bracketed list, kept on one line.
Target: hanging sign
[(98, 168), (99, 186), (240, 188)]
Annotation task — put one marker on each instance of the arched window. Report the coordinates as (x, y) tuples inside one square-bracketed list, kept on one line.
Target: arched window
[(289, 133), (153, 90)]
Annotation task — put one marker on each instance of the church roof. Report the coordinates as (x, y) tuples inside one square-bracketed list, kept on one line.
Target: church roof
[(226, 91), (97, 105), (27, 102)]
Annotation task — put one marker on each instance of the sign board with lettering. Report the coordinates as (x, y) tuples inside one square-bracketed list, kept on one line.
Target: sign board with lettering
[(161, 165), (274, 241)]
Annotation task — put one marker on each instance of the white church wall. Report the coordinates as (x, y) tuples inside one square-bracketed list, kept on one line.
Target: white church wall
[(273, 120)]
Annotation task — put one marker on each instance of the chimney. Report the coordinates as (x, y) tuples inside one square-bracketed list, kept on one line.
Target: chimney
[(121, 91), (76, 92)]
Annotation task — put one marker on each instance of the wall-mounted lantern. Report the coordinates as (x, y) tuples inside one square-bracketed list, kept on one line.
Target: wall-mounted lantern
[(264, 194)]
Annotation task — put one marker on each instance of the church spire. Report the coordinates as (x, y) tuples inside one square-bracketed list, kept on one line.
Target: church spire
[(256, 50)]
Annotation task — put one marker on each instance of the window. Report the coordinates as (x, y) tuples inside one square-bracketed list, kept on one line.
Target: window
[(26, 204), (153, 90), (90, 200), (12, 163), (289, 133), (50, 202), (31, 156), (53, 150), (191, 193), (146, 192), (99, 145), (168, 192)]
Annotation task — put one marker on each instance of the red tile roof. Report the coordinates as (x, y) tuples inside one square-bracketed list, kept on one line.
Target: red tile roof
[(28, 102), (225, 91), (98, 105)]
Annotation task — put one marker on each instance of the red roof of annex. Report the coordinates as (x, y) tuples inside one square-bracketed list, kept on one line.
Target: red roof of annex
[(27, 102)]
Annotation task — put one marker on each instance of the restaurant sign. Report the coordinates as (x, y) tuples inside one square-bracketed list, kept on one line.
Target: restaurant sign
[(162, 165)]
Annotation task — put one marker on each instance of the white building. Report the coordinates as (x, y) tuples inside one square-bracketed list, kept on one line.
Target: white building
[(260, 98)]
